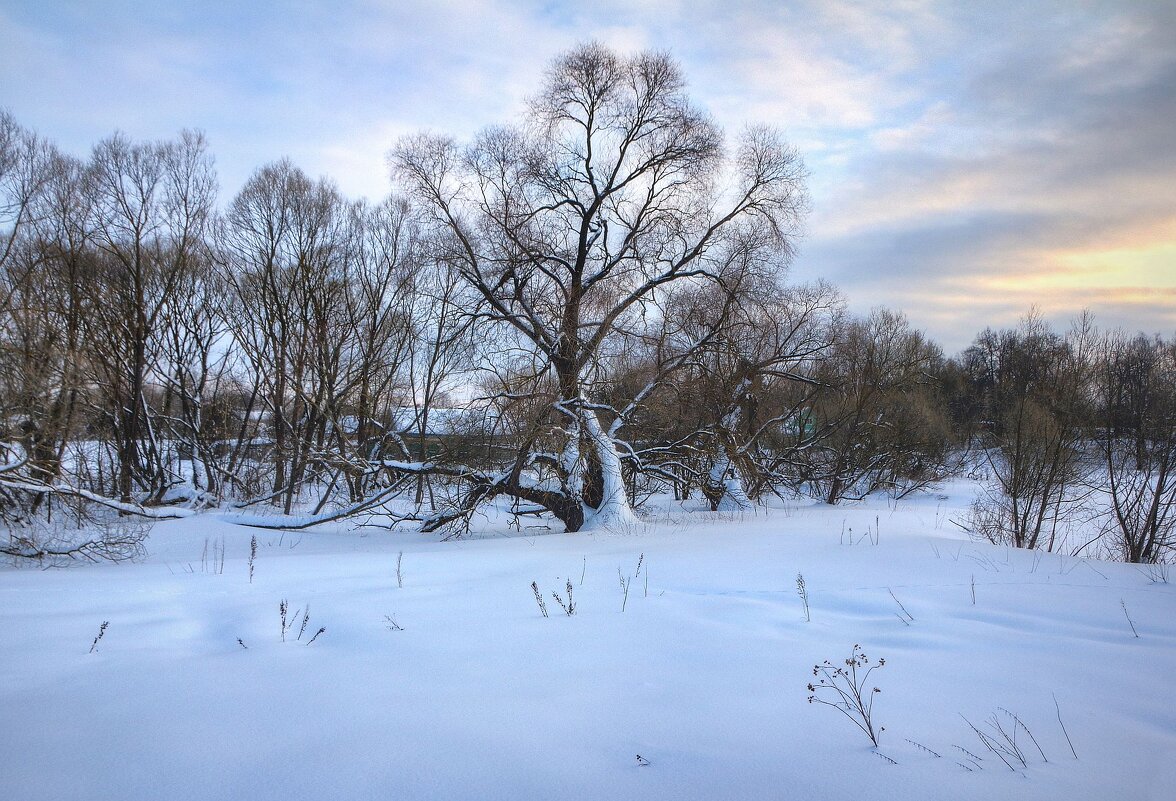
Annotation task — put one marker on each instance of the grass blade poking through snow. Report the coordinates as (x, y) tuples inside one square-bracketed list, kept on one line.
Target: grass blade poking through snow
[(101, 631), (906, 617), (802, 591), (539, 598), (1130, 622), (1069, 742), (570, 607)]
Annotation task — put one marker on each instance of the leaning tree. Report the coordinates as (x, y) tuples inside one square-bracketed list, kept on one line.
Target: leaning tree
[(572, 227)]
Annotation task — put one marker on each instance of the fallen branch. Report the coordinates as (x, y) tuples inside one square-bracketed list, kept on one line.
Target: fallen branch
[(130, 508)]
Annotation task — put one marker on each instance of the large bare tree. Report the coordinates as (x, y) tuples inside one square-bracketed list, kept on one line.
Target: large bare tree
[(571, 225)]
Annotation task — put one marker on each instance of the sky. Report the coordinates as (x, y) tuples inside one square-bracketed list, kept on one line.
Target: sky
[(968, 161)]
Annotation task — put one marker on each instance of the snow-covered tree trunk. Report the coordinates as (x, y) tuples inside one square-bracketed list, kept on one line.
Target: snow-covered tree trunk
[(613, 510), (724, 486)]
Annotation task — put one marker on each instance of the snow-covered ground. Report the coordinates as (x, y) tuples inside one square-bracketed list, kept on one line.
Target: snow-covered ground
[(478, 696)]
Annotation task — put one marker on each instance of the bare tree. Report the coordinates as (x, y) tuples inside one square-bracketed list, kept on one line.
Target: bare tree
[(43, 349), (276, 241), (443, 347), (192, 360), (322, 312), (153, 205), (46, 264), (25, 335), (569, 226), (24, 169), (1035, 382), (882, 426), (1135, 431), (731, 417)]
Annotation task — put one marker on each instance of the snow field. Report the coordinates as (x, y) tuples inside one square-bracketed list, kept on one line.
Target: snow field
[(481, 697)]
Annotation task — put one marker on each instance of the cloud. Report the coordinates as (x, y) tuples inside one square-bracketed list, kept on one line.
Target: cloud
[(968, 159), (1040, 171)]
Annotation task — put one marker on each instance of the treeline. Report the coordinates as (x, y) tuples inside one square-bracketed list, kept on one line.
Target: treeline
[(1079, 438), (571, 313)]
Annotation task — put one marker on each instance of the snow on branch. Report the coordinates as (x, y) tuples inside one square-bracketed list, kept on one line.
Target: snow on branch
[(152, 512)]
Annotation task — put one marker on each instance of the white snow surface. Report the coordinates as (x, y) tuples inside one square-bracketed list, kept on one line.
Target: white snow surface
[(480, 697)]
